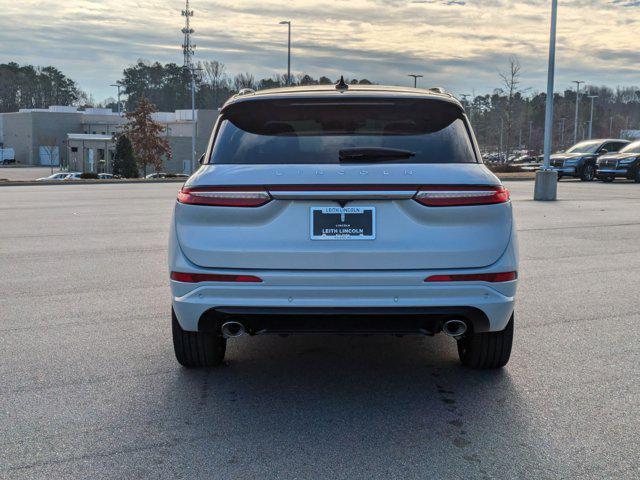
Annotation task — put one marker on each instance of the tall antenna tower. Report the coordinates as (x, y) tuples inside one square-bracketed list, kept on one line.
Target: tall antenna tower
[(187, 46)]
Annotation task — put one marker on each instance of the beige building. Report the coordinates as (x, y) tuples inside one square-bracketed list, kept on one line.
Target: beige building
[(90, 152), (53, 136)]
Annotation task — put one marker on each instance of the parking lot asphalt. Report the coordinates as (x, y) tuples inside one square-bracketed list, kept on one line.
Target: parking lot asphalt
[(89, 387)]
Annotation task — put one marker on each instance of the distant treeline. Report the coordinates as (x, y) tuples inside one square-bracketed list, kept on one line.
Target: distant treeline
[(35, 87), (613, 111), (168, 86), (507, 119)]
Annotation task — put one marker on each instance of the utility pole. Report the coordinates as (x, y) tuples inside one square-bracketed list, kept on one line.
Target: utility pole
[(188, 49), (520, 139), (194, 122), (473, 98), (464, 97), (194, 125), (288, 24), (118, 86), (562, 121), (575, 130), (415, 79), (610, 127), (546, 186), (501, 129), (530, 133), (592, 97)]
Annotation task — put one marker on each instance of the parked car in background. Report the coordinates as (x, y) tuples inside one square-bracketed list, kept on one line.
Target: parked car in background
[(73, 176), (156, 175), (526, 158), (579, 161), (106, 176), (625, 163), (56, 176), (324, 212)]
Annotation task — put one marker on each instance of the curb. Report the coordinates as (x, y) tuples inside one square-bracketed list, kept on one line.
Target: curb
[(31, 183)]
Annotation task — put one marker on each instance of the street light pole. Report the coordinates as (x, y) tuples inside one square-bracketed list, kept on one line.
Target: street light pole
[(520, 139), (610, 127), (546, 187), (466, 102), (501, 134), (575, 128), (415, 79), (194, 123), (592, 97), (288, 24), (119, 104)]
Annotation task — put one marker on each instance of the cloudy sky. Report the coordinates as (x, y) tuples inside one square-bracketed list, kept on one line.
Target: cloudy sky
[(458, 44)]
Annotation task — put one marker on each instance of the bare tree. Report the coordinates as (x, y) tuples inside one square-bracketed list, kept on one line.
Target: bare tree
[(511, 83), (244, 80), (214, 73), (48, 147)]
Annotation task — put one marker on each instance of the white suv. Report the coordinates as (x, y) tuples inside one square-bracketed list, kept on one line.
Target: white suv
[(347, 210)]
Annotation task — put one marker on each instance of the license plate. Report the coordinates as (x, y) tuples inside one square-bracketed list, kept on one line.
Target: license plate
[(343, 223)]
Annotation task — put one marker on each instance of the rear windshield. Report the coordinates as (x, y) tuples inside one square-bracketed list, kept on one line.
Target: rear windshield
[(303, 132)]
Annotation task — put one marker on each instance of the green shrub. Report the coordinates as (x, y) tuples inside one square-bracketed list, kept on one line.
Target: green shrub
[(124, 161)]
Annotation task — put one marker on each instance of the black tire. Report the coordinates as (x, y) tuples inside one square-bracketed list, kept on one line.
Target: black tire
[(636, 177), (486, 350), (588, 172), (559, 176), (607, 179), (197, 349)]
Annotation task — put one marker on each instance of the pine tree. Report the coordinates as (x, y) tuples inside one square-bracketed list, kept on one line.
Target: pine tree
[(124, 161), (146, 137)]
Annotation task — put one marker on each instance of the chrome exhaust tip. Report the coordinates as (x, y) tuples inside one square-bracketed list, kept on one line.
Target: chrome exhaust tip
[(454, 328), (232, 329)]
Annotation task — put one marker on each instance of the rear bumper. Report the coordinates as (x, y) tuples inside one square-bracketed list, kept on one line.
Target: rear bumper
[(292, 320), (391, 296), (319, 292)]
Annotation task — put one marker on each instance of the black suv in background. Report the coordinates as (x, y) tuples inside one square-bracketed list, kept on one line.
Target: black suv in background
[(579, 161), (625, 163)]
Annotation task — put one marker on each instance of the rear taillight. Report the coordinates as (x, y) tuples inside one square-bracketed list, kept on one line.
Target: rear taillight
[(224, 196), (475, 277), (212, 277), (452, 196)]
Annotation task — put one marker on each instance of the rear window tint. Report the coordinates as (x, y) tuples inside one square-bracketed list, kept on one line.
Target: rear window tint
[(314, 132)]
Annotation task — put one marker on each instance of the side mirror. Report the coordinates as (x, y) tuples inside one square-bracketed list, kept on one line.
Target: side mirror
[(201, 159), (603, 151)]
